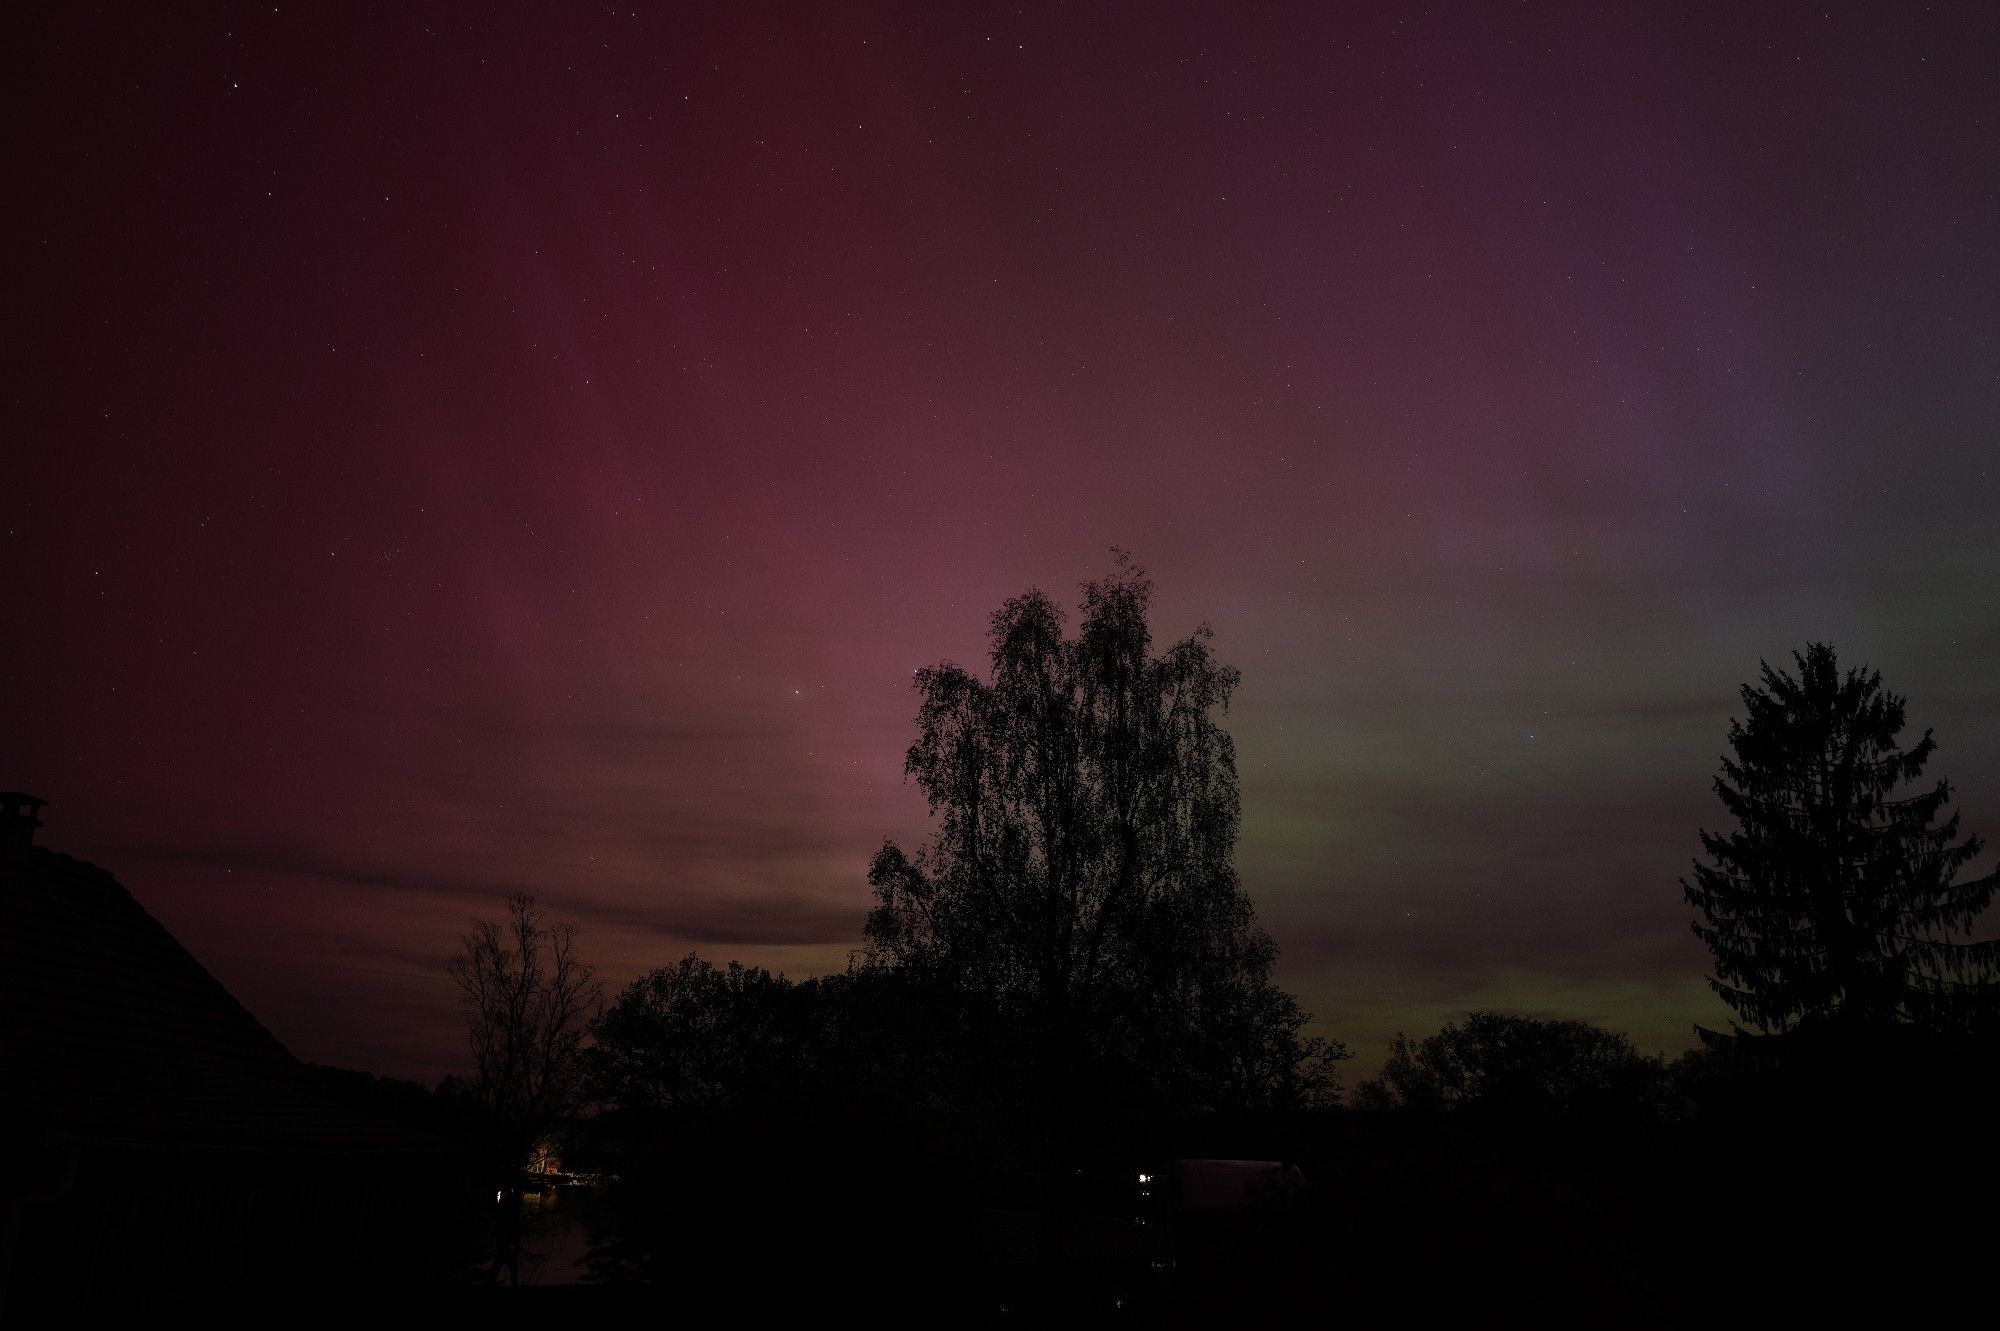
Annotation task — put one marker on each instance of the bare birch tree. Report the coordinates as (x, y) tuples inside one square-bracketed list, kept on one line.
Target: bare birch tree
[(527, 996)]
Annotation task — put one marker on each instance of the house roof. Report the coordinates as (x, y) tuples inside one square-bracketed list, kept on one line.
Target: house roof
[(111, 1030)]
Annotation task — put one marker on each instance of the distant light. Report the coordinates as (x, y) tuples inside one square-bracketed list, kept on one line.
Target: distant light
[(1145, 1178)]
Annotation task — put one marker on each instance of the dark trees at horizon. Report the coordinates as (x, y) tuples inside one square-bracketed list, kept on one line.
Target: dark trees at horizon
[(1494, 1060)]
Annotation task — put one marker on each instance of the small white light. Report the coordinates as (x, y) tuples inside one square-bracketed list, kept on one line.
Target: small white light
[(1145, 1178)]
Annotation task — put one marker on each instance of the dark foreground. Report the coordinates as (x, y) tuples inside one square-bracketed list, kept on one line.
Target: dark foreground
[(1466, 1219)]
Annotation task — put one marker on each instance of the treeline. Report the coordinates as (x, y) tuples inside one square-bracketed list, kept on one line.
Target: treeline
[(1068, 978)]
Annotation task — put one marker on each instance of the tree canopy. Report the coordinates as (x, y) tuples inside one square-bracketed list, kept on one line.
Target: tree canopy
[(1078, 898), (526, 996), (1492, 1060), (693, 1035), (1837, 896)]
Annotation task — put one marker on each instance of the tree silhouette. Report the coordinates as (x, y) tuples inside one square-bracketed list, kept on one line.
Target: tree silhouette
[(1836, 898), (1077, 900), (526, 996), (693, 1035), (1495, 1061), (752, 1124)]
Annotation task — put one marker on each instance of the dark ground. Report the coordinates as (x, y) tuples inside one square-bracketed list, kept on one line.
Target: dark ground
[(1450, 1220)]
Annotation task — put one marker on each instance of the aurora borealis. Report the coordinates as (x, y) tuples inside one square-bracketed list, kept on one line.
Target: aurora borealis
[(466, 450)]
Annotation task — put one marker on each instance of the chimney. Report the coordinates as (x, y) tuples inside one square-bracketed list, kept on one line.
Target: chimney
[(20, 815)]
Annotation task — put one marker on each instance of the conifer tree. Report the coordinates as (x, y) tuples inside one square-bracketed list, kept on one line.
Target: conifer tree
[(1837, 897)]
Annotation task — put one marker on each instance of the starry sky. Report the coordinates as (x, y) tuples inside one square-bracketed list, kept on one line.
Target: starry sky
[(462, 449)]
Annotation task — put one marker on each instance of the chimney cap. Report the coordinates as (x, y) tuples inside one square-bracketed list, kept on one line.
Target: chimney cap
[(20, 815)]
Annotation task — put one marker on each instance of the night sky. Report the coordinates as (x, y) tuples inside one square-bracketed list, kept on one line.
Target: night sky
[(454, 451)]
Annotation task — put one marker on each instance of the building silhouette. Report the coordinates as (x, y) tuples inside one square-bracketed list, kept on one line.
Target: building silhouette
[(165, 1151)]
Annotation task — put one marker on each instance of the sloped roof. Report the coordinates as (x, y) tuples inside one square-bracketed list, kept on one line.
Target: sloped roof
[(110, 1029)]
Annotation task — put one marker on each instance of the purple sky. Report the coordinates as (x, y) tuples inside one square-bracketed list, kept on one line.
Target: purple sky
[(454, 452)]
